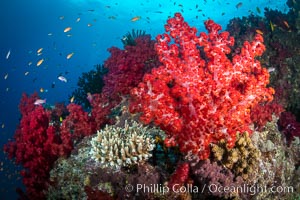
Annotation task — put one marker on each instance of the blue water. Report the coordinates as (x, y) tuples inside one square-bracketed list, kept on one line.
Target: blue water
[(27, 26)]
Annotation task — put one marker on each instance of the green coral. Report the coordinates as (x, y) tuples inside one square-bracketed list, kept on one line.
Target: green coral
[(242, 159)]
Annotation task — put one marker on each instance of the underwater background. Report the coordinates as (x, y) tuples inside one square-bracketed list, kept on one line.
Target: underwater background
[(46, 46)]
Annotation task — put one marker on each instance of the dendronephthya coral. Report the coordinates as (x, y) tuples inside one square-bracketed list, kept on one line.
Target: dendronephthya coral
[(115, 147)]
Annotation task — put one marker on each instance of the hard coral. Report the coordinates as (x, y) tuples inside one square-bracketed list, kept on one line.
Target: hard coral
[(277, 164), (241, 160), (200, 96), (117, 147)]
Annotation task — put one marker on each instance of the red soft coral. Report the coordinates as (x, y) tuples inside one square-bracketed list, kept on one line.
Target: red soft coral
[(199, 95), (36, 147), (77, 123), (180, 176), (40, 140), (262, 113), (127, 67), (289, 126)]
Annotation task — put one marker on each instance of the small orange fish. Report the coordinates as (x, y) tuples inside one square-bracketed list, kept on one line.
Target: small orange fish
[(136, 18), (72, 99), (39, 62), (70, 55), (286, 24), (259, 31), (39, 50), (67, 29)]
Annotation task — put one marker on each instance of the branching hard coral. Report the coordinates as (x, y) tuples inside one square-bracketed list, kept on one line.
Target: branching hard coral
[(116, 147), (129, 38), (241, 159)]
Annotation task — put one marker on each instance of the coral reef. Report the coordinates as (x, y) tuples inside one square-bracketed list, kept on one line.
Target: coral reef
[(196, 100), (101, 109), (115, 147), (86, 171), (277, 164), (210, 128), (294, 14)]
